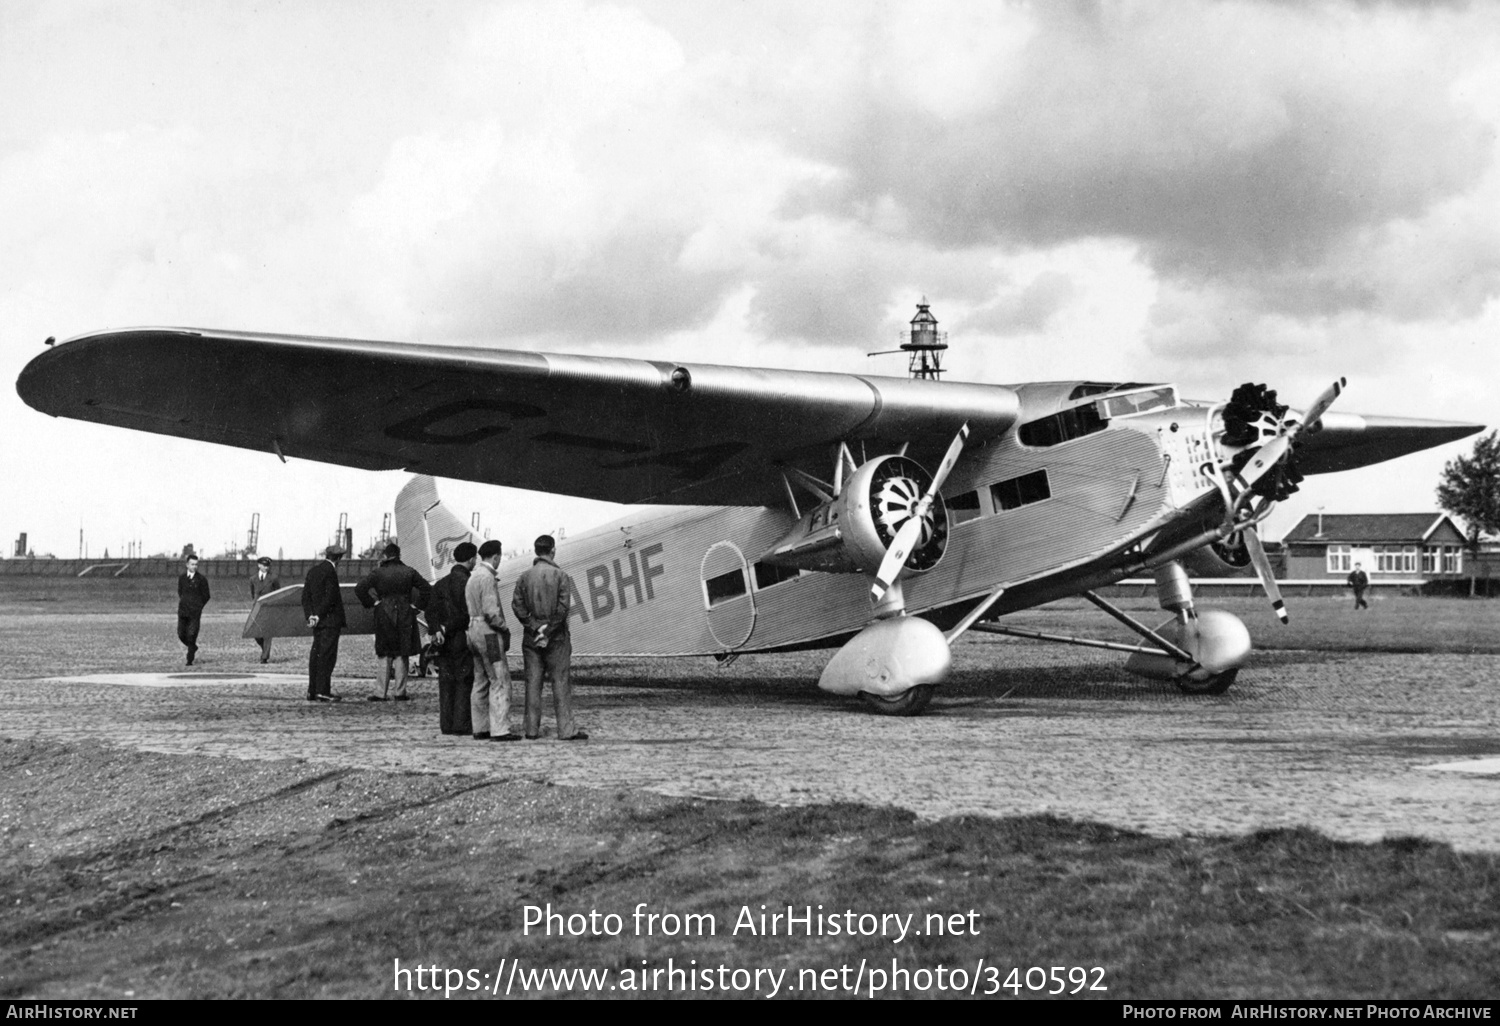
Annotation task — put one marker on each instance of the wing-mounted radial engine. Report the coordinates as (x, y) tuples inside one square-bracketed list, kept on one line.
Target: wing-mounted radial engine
[(853, 527), (885, 519)]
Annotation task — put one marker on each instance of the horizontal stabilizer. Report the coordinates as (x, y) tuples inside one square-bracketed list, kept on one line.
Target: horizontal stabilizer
[(278, 614)]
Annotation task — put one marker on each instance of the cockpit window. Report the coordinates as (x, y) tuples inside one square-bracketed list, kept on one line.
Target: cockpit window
[(1131, 404), (1063, 426)]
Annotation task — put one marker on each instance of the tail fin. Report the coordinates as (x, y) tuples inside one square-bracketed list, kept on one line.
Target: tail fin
[(428, 531)]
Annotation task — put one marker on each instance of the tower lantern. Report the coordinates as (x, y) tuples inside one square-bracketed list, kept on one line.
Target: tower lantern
[(925, 345)]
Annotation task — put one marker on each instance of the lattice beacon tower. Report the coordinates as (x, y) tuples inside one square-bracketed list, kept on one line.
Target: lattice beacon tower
[(926, 344)]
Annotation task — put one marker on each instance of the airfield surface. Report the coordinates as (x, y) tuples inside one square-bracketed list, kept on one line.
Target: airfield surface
[(1359, 746)]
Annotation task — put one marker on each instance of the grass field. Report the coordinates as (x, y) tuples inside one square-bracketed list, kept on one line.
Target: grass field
[(126, 873)]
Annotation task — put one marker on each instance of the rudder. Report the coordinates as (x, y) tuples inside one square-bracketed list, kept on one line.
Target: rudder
[(427, 529)]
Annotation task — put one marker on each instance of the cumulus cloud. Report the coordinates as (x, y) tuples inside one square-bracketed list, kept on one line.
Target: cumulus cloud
[(1209, 192)]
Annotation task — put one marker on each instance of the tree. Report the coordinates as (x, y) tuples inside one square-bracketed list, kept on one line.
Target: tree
[(1470, 490)]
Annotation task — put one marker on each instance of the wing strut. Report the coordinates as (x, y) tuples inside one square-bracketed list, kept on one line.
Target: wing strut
[(1176, 652), (975, 614)]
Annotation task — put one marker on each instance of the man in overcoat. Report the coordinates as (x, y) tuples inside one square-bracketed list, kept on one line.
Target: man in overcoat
[(263, 583), (396, 592)]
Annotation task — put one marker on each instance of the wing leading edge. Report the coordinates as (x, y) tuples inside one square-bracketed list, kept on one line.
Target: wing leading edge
[(623, 430)]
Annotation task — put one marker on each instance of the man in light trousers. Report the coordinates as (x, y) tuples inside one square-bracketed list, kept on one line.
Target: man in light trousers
[(489, 637)]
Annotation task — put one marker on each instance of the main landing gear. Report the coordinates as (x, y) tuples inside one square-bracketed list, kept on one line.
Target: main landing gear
[(1199, 652)]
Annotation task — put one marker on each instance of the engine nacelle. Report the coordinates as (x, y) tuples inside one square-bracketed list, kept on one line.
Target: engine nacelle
[(852, 533), (1221, 559)]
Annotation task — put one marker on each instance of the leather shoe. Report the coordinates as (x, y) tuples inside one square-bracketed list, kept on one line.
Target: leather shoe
[(532, 737), (402, 698), (483, 736), (331, 697), (506, 737), (377, 698), (320, 698), (580, 736)]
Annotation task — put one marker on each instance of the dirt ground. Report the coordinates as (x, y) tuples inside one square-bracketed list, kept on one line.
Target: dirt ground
[(215, 836)]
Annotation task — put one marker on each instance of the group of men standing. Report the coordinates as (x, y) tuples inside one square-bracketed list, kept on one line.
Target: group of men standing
[(468, 624), (466, 618)]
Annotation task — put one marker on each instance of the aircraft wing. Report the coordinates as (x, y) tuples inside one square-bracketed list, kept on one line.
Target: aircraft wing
[(278, 614), (623, 430), (1349, 440)]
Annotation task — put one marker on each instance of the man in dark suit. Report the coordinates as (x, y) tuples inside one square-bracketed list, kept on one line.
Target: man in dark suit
[(192, 596), (323, 604), (448, 619), (1359, 581), (263, 583)]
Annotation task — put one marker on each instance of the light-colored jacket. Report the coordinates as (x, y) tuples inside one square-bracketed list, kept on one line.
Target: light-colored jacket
[(482, 594)]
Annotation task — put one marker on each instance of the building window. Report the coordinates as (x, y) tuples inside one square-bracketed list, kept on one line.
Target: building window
[(1453, 559), (1339, 559), (1430, 558), (1021, 491), (1395, 559)]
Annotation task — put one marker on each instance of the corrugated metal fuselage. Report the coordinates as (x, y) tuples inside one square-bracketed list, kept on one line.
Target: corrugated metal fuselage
[(640, 583)]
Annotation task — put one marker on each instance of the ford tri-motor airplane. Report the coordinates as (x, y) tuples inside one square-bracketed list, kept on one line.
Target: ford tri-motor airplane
[(880, 516)]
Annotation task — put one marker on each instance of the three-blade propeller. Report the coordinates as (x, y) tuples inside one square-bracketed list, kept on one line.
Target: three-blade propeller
[(909, 533), (1265, 459)]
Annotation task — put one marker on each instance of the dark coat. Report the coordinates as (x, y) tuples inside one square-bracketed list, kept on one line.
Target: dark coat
[(259, 587), (321, 596), (393, 589), (394, 582), (192, 594), (1359, 580), (449, 610)]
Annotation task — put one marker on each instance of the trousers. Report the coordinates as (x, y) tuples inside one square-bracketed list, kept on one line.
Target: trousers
[(321, 660), (187, 632), (455, 687), (489, 704), (554, 661)]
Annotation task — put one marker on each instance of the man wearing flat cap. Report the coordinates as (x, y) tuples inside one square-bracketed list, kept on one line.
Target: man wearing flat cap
[(263, 583), (323, 604)]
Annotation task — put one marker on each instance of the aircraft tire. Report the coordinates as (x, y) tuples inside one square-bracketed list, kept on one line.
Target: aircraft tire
[(1215, 685), (909, 703)]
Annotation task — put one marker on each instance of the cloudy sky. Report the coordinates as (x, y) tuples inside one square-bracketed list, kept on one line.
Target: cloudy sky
[(1205, 193)]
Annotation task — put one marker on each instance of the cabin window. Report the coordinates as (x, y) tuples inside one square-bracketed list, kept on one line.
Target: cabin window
[(1453, 559), (769, 574), (963, 507), (1339, 559), (1063, 426), (1021, 491), (725, 587), (1430, 559)]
